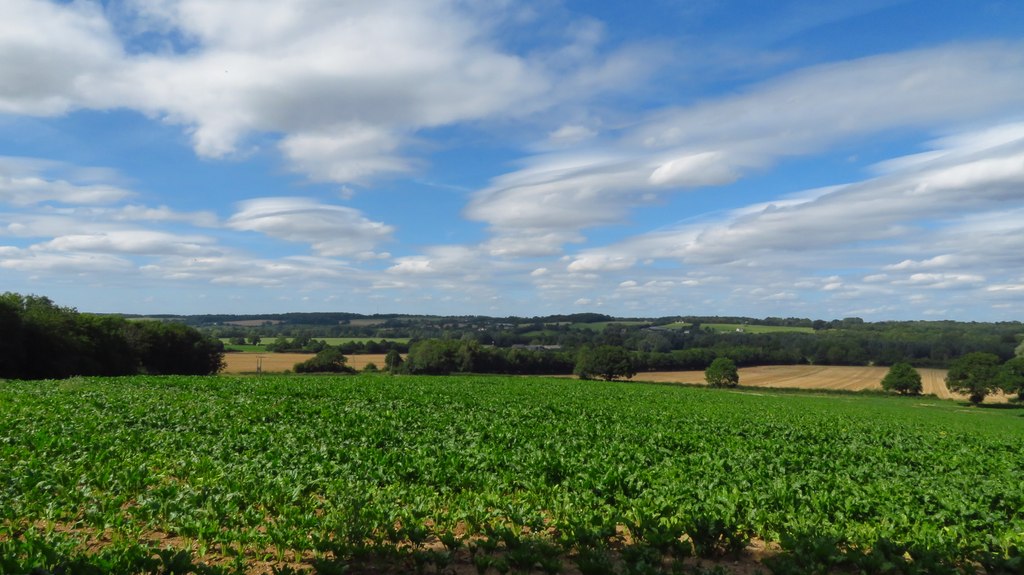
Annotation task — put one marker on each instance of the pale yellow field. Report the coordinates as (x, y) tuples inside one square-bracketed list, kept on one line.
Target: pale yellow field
[(831, 377), (279, 362), (809, 377)]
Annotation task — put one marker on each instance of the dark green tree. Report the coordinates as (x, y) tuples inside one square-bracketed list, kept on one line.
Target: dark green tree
[(12, 348), (42, 340), (166, 348), (903, 379), (722, 373), (393, 361), (1011, 377), (432, 357), (607, 362), (329, 360), (975, 374)]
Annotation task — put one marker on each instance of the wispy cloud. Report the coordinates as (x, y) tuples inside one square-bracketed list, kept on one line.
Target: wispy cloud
[(715, 143)]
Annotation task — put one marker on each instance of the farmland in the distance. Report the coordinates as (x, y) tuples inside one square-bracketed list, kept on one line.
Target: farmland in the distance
[(746, 328), (811, 377), (498, 474), (281, 362)]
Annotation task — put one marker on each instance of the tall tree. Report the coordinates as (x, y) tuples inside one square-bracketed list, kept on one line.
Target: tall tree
[(903, 379), (607, 362), (975, 374), (722, 373), (1011, 377), (393, 361)]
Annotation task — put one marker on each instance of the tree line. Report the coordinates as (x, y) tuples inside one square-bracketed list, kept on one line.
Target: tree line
[(41, 340)]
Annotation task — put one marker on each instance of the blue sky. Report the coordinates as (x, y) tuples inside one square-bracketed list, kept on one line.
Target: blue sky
[(672, 157)]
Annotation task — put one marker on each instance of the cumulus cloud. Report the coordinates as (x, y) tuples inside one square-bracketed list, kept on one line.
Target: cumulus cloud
[(50, 52), (331, 230), (345, 85), (349, 153)]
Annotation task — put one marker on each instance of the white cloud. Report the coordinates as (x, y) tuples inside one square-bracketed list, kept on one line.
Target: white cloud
[(456, 261), (50, 52), (940, 261), (805, 112), (344, 84), (331, 230), (298, 273), (941, 280), (600, 263), (53, 263), (26, 191), (346, 154), (142, 242), (571, 134), (694, 170), (876, 210)]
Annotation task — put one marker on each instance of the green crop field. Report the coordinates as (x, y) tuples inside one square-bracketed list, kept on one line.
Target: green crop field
[(372, 473), (247, 348), (262, 348)]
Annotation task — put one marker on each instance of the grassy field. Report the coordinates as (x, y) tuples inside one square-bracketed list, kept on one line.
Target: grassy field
[(677, 325), (292, 474), (344, 340), (602, 325), (262, 348), (732, 327)]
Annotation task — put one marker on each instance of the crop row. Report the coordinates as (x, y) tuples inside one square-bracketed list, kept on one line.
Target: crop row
[(506, 473)]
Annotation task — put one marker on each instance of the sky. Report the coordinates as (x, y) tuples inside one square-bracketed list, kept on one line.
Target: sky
[(794, 158)]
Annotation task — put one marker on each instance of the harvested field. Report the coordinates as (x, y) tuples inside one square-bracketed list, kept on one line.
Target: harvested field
[(281, 362), (811, 377)]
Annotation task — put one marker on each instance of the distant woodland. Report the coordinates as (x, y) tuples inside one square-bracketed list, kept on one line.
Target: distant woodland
[(43, 340)]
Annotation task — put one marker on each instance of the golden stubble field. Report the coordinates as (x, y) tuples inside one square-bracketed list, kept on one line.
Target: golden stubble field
[(829, 377), (280, 362), (809, 377)]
